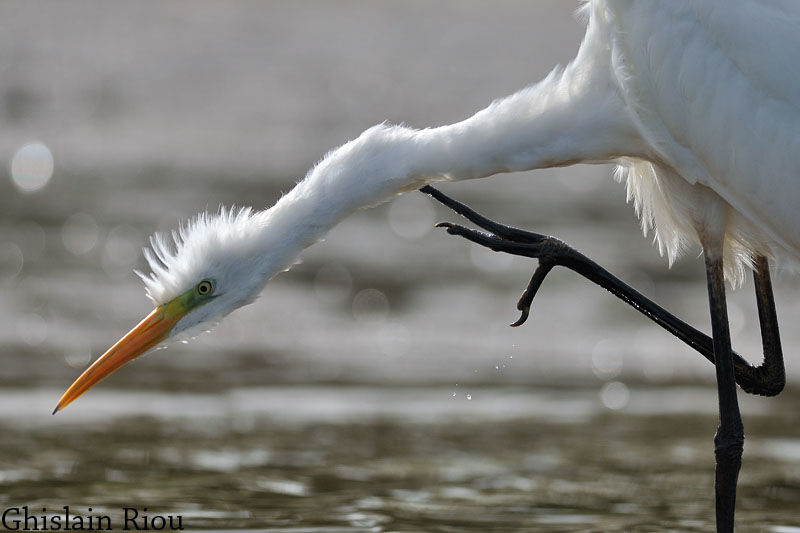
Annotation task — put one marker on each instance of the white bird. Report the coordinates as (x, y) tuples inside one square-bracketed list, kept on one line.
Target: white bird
[(696, 101)]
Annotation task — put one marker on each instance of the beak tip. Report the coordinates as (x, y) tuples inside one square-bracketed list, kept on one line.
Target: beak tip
[(152, 330)]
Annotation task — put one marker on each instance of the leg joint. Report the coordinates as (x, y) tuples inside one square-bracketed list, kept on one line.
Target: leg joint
[(729, 443)]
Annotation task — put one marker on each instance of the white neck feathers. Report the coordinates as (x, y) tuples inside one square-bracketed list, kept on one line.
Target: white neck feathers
[(552, 123)]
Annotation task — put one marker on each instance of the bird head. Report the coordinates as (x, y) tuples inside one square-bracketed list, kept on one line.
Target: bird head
[(201, 272)]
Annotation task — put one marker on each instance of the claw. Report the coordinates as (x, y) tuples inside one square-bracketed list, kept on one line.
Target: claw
[(501, 239), (525, 301), (522, 318), (452, 229)]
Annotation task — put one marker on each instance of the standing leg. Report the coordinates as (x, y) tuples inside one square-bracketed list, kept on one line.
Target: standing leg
[(729, 440)]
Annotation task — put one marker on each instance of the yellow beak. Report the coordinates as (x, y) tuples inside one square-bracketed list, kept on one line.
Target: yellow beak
[(147, 334)]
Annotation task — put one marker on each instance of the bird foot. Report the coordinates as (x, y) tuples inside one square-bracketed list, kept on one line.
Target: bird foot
[(549, 251)]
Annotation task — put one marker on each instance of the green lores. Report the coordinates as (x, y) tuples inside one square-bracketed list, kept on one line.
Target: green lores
[(190, 300)]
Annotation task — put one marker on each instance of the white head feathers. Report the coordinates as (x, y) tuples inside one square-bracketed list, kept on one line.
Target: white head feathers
[(206, 246)]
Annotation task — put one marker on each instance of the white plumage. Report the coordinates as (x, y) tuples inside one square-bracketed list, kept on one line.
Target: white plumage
[(697, 101), (714, 90)]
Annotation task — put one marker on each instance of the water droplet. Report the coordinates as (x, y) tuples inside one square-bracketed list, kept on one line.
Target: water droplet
[(32, 167), (455, 394), (469, 396), (370, 306), (615, 395), (79, 233)]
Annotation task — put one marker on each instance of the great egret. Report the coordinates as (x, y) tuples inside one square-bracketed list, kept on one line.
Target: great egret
[(696, 101)]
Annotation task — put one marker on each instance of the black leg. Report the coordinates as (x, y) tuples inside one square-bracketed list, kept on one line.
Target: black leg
[(729, 440), (767, 379), (771, 370)]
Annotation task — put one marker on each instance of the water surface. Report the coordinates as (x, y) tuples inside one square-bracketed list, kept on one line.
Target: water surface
[(366, 459)]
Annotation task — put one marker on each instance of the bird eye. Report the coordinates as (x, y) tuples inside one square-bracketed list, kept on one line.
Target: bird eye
[(204, 288)]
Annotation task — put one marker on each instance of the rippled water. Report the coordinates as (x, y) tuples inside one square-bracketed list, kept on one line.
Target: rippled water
[(398, 459), (376, 386)]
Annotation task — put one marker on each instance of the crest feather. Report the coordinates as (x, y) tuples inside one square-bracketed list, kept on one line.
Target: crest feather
[(180, 258)]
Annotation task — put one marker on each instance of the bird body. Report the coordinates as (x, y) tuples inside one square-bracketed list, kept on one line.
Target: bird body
[(714, 90), (696, 101)]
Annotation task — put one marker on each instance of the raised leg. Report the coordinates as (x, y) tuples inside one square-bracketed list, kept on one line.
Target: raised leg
[(729, 440), (767, 379)]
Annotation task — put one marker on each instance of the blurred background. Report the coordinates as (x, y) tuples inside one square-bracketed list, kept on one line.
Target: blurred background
[(376, 386)]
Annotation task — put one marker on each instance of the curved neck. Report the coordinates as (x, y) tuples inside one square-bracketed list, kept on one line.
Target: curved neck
[(552, 123)]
